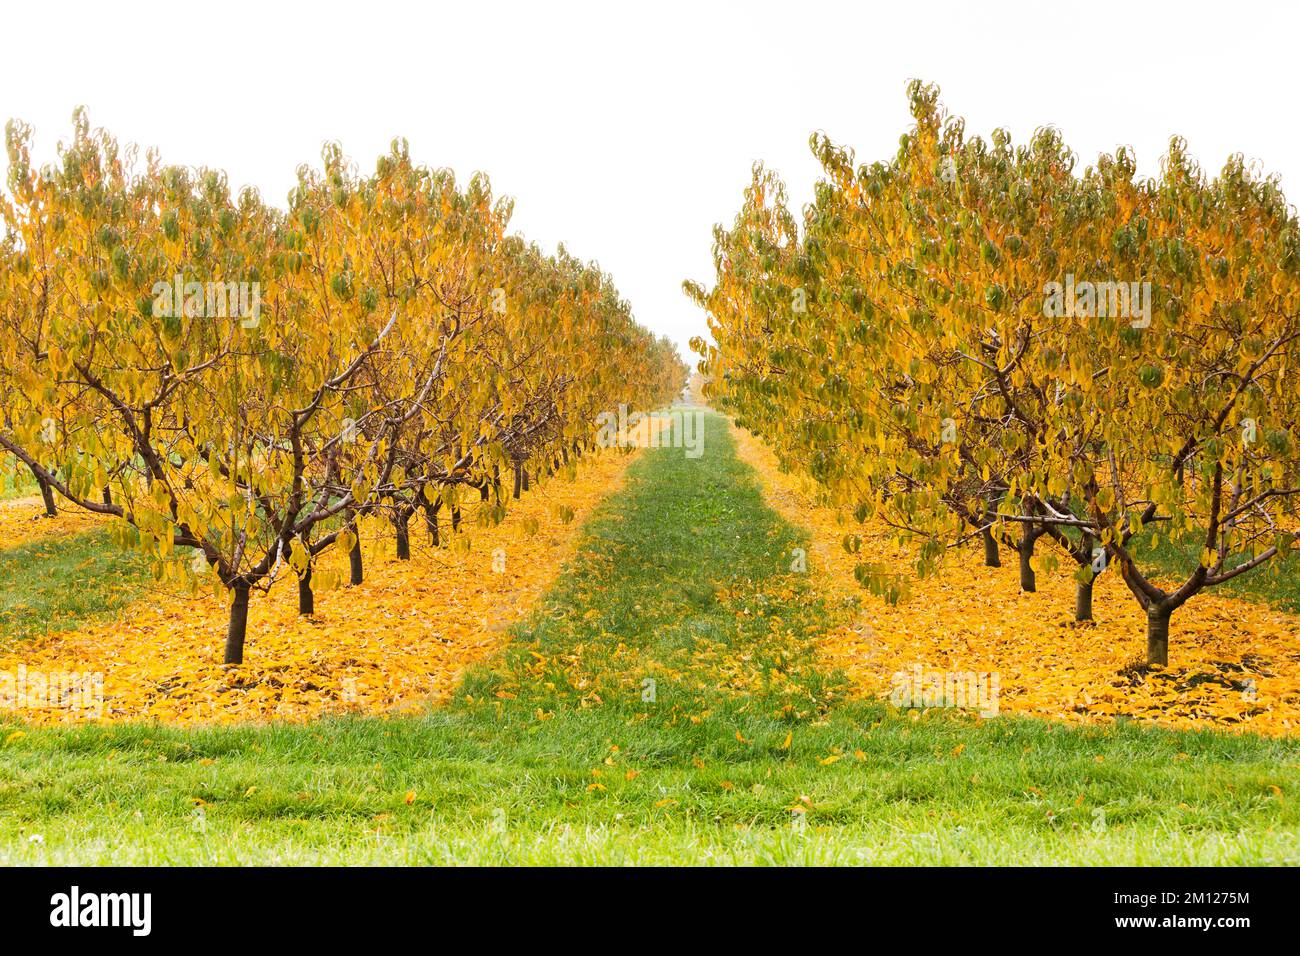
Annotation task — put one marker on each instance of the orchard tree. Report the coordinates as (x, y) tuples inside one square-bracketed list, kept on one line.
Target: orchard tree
[(1195, 411), (970, 338)]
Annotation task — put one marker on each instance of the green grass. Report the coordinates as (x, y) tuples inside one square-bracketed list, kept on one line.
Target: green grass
[(1276, 583), (15, 482), (60, 582), (683, 579)]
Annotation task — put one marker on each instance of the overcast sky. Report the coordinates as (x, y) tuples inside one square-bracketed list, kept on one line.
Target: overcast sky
[(628, 131)]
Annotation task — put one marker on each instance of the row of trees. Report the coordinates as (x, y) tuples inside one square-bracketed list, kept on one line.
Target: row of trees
[(238, 385), (971, 341)]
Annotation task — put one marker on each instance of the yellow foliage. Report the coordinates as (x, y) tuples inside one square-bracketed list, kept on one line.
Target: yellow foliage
[(23, 520), (398, 642)]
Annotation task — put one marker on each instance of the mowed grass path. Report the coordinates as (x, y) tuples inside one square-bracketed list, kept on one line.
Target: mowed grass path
[(661, 707)]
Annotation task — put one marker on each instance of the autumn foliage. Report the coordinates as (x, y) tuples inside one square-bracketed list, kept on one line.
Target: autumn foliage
[(237, 386), (398, 643), (974, 341)]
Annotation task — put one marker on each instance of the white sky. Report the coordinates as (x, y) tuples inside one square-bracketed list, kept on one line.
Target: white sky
[(628, 131)]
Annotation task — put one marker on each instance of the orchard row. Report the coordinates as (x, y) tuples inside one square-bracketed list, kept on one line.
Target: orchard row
[(236, 385), (974, 340)]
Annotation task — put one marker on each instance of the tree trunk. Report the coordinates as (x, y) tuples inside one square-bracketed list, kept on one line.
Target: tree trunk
[(519, 480), (455, 519), (354, 557), (306, 599), (526, 482), (1158, 635), (238, 625), (403, 537), (108, 495), (431, 522), (1028, 580), (484, 492), (1083, 598), (47, 493), (991, 557)]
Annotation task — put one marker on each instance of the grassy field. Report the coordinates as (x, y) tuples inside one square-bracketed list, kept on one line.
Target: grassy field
[(1277, 583), (661, 706), (59, 582), (15, 480)]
